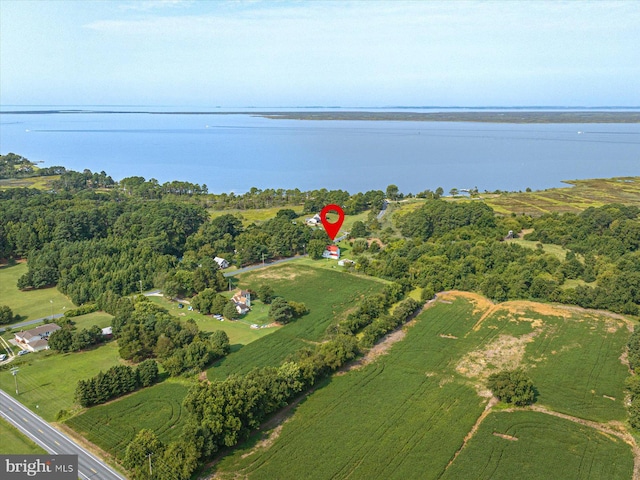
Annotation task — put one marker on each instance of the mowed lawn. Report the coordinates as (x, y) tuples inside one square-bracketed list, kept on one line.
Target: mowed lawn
[(405, 415), (536, 445), (329, 295), (14, 442), (113, 425), (47, 380), (29, 304)]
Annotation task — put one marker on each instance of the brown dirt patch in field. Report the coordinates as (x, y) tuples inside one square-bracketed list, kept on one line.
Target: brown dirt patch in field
[(267, 441), (505, 352), (480, 303), (506, 437), (598, 314), (282, 273), (380, 348), (613, 321), (448, 336)]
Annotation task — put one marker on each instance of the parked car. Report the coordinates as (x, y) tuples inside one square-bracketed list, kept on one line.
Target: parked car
[(23, 352), (2, 357)]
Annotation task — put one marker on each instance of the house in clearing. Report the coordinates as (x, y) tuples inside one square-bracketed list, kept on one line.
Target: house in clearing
[(332, 251), (37, 338), (242, 300), (313, 221), (222, 263)]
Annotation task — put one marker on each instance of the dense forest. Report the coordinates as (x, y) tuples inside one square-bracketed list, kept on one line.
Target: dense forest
[(102, 241)]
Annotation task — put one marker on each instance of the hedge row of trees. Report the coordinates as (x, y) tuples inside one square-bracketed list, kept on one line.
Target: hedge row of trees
[(115, 382), (633, 380), (384, 324)]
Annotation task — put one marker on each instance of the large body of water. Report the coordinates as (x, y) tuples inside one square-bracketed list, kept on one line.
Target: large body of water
[(237, 152)]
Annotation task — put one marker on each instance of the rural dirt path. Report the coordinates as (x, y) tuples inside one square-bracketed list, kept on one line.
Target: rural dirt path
[(487, 410)]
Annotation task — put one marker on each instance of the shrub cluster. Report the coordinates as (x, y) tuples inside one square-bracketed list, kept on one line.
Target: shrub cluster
[(69, 340), (512, 386), (82, 310)]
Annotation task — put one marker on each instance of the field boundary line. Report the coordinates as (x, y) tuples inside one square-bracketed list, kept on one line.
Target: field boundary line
[(602, 427), (485, 413)]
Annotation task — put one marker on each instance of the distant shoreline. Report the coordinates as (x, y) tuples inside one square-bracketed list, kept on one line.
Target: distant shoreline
[(538, 117)]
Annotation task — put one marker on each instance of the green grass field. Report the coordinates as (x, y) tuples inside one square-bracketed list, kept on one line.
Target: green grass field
[(327, 294), (47, 380), (101, 319), (14, 442), (406, 415), (546, 447), (257, 215), (113, 425), (30, 304)]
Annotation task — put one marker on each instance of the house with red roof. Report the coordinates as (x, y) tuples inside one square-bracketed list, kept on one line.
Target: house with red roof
[(332, 252)]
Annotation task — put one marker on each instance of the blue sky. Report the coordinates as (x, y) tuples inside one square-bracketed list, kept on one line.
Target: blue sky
[(300, 53)]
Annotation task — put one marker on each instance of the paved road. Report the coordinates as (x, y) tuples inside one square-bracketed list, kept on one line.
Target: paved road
[(30, 322), (384, 210), (53, 441), (255, 267)]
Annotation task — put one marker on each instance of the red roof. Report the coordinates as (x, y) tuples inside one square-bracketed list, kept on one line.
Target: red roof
[(332, 248)]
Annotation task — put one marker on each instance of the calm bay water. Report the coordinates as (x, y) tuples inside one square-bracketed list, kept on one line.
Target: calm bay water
[(237, 152)]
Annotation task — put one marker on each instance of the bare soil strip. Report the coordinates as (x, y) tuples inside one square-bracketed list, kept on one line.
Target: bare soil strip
[(506, 437), (490, 404)]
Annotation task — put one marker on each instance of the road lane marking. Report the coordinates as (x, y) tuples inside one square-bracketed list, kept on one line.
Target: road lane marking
[(25, 420), (11, 409), (56, 442), (40, 431), (93, 470)]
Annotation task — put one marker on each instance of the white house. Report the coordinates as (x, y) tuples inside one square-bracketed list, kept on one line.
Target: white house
[(332, 251), (222, 263), (242, 299), (37, 338), (315, 220)]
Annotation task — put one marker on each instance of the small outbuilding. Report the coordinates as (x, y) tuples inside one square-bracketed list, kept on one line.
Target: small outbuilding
[(222, 263)]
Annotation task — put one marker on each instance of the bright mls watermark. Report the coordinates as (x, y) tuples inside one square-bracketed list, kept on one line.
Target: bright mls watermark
[(46, 467)]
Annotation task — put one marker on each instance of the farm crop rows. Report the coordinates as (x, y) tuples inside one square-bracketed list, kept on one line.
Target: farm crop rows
[(407, 414), (112, 426), (534, 445)]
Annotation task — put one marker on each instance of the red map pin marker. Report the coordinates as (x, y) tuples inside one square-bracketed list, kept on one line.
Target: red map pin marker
[(332, 229)]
